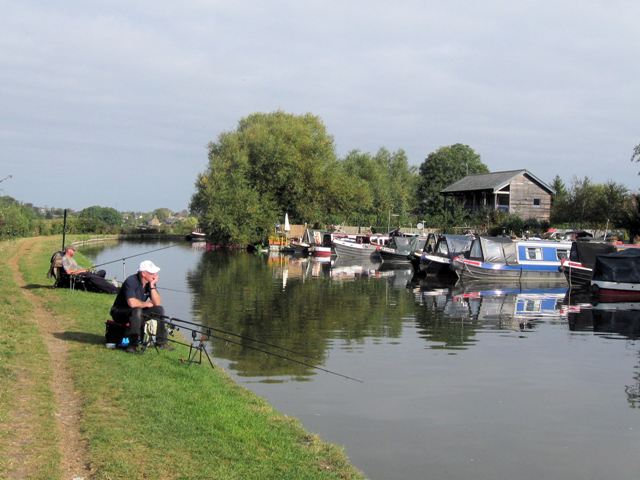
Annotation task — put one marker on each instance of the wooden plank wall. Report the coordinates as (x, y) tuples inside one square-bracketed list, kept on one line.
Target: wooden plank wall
[(523, 191)]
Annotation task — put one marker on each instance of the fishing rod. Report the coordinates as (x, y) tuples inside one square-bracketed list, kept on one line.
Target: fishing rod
[(171, 323), (226, 332), (135, 255)]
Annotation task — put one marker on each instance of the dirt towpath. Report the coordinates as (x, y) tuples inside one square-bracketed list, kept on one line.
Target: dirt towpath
[(67, 408)]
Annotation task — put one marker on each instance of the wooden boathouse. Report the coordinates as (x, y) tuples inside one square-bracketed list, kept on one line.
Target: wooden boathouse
[(517, 192)]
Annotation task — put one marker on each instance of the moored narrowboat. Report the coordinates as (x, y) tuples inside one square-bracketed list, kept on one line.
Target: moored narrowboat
[(493, 258), (578, 267), (616, 276), (438, 262)]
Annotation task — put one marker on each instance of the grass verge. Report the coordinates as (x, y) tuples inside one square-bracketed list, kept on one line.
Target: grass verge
[(28, 441), (150, 416)]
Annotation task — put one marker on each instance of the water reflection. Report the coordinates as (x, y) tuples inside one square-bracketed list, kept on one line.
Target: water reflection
[(452, 373), (614, 321), (272, 299)]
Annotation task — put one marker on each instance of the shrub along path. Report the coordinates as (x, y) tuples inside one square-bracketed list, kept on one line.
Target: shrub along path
[(73, 409)]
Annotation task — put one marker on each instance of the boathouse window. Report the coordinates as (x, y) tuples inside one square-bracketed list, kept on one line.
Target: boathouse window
[(536, 202), (534, 253)]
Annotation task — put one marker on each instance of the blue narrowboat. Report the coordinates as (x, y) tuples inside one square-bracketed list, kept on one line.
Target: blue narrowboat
[(501, 258)]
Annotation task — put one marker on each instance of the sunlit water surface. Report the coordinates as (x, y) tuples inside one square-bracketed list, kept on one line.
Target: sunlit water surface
[(474, 382)]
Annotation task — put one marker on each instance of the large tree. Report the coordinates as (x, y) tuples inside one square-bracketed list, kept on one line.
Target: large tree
[(271, 164), (440, 169)]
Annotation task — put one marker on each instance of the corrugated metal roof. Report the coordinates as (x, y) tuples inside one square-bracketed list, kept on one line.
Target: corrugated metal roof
[(491, 181)]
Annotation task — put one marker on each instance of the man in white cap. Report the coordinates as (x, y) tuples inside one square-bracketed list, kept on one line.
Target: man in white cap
[(138, 298)]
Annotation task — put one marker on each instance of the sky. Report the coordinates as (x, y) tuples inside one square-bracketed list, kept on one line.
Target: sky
[(113, 103)]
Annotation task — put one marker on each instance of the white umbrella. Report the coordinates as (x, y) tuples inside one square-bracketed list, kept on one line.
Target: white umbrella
[(287, 227)]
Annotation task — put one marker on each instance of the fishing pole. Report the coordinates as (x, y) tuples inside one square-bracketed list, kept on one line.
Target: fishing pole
[(171, 323), (135, 255), (226, 332)]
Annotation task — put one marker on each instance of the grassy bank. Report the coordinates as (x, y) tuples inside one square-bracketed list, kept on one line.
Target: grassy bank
[(150, 416)]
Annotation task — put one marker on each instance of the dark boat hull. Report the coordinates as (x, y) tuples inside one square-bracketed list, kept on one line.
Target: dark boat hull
[(577, 275)]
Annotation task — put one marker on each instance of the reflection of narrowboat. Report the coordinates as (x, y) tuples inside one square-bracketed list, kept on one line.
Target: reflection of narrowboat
[(537, 300), (578, 268), (438, 262), (350, 269), (493, 258), (620, 317), (616, 276)]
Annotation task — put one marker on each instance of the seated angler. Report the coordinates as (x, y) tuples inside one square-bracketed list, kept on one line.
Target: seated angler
[(93, 281), (138, 298)]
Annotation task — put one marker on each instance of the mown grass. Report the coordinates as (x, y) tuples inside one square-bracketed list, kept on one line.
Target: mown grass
[(28, 439), (151, 416)]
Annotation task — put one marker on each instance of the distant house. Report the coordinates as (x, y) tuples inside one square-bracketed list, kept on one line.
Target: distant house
[(517, 192)]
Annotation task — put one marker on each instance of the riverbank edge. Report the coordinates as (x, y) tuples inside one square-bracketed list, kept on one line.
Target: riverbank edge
[(151, 416)]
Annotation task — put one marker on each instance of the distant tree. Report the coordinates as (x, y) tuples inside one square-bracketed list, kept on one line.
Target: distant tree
[(559, 206), (162, 214), (631, 215), (16, 219), (594, 205), (440, 169), (99, 220), (636, 154)]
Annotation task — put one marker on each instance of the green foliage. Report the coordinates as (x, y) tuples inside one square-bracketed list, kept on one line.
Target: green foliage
[(510, 224), (277, 162), (635, 157), (439, 170), (162, 214), (378, 185), (271, 164), (98, 219), (16, 219), (631, 215), (591, 205)]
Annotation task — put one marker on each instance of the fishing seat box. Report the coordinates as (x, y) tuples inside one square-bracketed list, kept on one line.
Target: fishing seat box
[(114, 331)]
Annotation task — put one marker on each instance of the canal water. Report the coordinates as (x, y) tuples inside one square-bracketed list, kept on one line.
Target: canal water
[(466, 382)]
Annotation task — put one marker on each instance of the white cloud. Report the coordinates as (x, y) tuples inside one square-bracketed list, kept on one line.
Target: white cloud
[(114, 88)]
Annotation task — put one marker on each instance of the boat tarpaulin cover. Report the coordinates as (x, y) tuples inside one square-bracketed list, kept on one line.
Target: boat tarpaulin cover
[(457, 244), (620, 267), (403, 245), (499, 250), (586, 252)]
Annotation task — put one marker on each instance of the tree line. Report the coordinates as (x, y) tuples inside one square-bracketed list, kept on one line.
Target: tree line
[(24, 219), (278, 162)]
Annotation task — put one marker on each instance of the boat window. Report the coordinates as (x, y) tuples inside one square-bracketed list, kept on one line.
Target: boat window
[(562, 254), (476, 250), (442, 248), (534, 253)]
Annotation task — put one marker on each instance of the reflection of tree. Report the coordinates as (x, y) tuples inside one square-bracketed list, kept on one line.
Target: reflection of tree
[(445, 323), (633, 391), (244, 294)]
